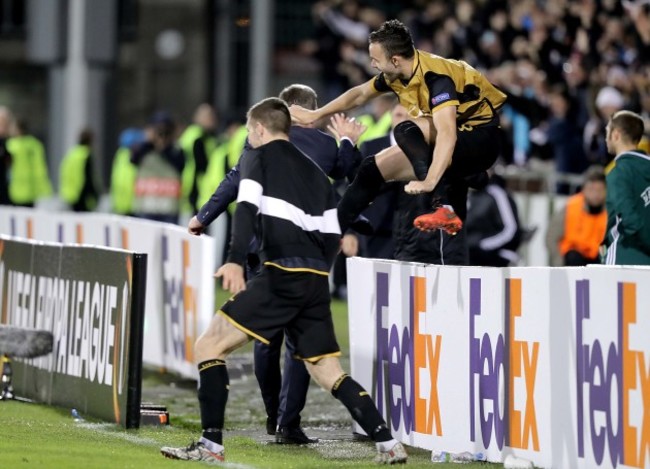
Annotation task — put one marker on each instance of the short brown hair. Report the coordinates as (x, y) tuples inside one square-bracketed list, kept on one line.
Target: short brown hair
[(302, 95), (595, 173), (272, 113), (395, 38), (630, 124)]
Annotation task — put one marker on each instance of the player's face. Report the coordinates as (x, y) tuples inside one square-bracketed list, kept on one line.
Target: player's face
[(380, 61)]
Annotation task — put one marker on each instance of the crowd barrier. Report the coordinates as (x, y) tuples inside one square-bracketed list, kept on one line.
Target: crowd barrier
[(92, 301), (547, 364), (180, 282)]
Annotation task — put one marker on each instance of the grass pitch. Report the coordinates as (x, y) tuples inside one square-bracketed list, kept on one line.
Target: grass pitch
[(34, 435)]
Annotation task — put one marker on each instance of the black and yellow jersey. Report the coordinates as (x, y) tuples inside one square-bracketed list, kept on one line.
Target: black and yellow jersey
[(437, 82)]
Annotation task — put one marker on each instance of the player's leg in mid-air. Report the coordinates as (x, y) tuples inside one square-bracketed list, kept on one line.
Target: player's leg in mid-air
[(408, 160)]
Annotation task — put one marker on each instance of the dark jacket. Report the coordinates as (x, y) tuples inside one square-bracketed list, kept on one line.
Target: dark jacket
[(335, 161), (492, 225)]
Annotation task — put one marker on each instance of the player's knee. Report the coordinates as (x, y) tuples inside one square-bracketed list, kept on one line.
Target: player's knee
[(405, 131), (326, 372)]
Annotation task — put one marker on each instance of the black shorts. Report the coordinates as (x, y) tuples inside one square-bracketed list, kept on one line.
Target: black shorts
[(476, 150), (296, 301)]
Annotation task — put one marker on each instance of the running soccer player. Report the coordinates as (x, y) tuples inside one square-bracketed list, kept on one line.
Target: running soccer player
[(289, 201)]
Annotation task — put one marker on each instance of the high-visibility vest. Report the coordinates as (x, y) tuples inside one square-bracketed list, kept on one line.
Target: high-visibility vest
[(29, 179), (583, 231), (236, 145), (73, 173), (123, 176), (215, 173), (186, 142), (376, 129)]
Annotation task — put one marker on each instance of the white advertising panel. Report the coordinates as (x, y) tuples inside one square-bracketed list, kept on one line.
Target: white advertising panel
[(180, 268), (551, 365)]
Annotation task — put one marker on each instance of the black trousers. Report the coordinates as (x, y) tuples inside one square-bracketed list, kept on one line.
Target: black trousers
[(284, 394)]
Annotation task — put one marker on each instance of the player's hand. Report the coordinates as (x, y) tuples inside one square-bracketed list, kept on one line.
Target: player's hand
[(418, 187), (301, 115), (195, 227), (350, 245), (232, 277), (340, 127)]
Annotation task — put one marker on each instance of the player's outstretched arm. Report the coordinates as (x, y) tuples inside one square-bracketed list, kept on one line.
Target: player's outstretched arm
[(352, 98)]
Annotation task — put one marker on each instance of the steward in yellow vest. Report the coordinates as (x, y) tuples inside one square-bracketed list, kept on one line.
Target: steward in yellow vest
[(160, 164), (29, 179), (123, 173), (197, 142), (77, 185)]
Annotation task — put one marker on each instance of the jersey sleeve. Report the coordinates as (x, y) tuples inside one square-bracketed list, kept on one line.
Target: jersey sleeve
[(249, 200), (225, 193), (379, 84), (442, 91)]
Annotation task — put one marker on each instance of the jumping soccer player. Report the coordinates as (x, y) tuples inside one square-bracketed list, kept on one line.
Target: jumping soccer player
[(453, 131)]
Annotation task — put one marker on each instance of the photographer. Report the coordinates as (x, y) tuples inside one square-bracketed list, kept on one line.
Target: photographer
[(160, 165)]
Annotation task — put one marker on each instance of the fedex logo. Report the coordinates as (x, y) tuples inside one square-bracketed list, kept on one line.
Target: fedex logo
[(508, 362), (179, 299), (406, 369), (613, 384)]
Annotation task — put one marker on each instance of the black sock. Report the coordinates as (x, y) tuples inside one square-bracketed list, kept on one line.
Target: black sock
[(411, 141), (363, 190), (213, 395), (361, 407)]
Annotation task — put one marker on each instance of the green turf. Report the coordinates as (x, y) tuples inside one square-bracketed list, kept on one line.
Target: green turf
[(33, 435)]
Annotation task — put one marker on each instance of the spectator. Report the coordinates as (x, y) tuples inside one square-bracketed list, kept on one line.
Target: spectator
[(198, 143), (493, 230), (77, 180), (575, 233), (628, 193), (123, 173), (160, 165), (608, 101), (565, 137), (29, 180)]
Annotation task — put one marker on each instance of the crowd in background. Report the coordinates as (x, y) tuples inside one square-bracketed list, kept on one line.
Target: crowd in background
[(566, 66)]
